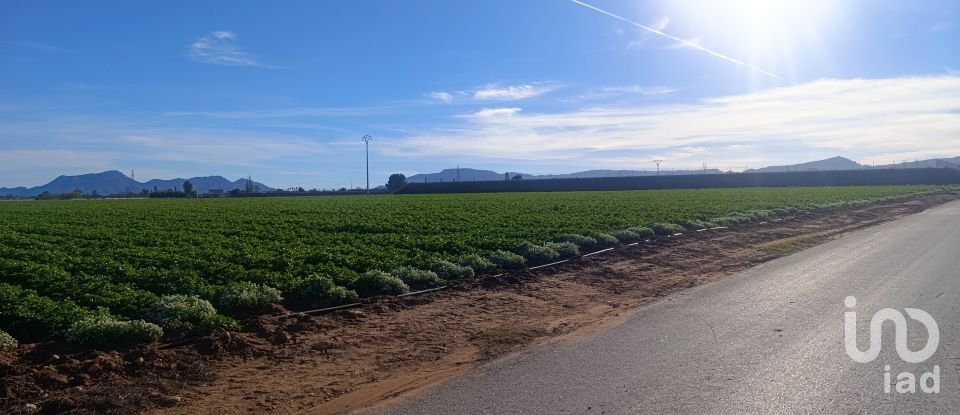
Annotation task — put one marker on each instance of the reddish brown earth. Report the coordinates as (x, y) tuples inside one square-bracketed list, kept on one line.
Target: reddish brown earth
[(390, 347)]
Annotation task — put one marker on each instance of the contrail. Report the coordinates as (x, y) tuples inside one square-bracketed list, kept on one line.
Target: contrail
[(683, 42)]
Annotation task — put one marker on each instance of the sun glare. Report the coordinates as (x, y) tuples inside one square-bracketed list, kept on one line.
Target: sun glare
[(771, 34)]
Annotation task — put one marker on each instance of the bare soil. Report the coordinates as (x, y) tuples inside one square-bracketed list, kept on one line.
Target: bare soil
[(391, 347)]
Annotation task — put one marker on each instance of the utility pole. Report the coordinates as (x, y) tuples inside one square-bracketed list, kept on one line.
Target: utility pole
[(458, 172), (366, 141), (657, 162), (704, 167)]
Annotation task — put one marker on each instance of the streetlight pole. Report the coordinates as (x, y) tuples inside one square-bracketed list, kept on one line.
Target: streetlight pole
[(366, 141)]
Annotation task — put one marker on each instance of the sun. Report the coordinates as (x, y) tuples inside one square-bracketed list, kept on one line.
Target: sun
[(773, 34)]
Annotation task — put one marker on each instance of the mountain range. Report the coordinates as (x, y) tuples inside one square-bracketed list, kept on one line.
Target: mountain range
[(475, 175), (115, 182), (843, 163), (833, 163)]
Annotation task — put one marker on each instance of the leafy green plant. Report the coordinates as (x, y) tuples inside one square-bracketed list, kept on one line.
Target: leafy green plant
[(108, 332), (248, 297), (341, 295), (321, 291), (692, 224), (29, 315), (725, 221), (7, 342), (476, 262), (450, 271), (418, 279), (626, 236), (605, 239), (564, 249), (582, 241), (373, 283), (537, 254), (761, 214), (507, 259), (218, 323), (663, 228), (189, 313), (643, 232)]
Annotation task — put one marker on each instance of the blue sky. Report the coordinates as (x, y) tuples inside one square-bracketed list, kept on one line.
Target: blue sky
[(284, 90)]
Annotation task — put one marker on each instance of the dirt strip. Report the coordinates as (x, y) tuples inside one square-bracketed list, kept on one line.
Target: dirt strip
[(363, 357)]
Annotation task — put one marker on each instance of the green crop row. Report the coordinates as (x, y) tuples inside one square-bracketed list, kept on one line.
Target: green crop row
[(105, 265)]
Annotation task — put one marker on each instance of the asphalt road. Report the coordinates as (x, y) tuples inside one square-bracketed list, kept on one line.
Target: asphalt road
[(767, 340)]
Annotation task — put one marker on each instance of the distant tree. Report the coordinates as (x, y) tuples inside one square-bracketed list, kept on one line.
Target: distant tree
[(188, 187), (155, 189), (301, 190), (234, 192), (506, 176), (396, 181), (517, 177), (145, 192)]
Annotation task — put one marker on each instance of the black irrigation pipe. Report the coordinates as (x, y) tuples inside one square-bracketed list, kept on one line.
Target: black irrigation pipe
[(421, 292), (354, 305), (178, 343), (597, 252), (547, 265)]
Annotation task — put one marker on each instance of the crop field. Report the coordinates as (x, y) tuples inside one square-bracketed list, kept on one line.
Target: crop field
[(89, 271)]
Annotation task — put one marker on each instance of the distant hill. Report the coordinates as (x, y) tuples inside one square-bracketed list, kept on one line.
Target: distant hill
[(115, 182), (464, 175), (843, 163), (830, 164), (475, 175), (833, 163), (922, 164), (204, 184)]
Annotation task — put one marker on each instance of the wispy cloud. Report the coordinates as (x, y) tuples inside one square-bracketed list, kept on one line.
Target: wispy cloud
[(644, 38), (220, 48), (621, 90), (687, 43), (39, 46), (496, 92), (941, 27), (512, 92), (127, 141), (878, 118), (661, 23), (218, 146), (490, 114), (440, 96)]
